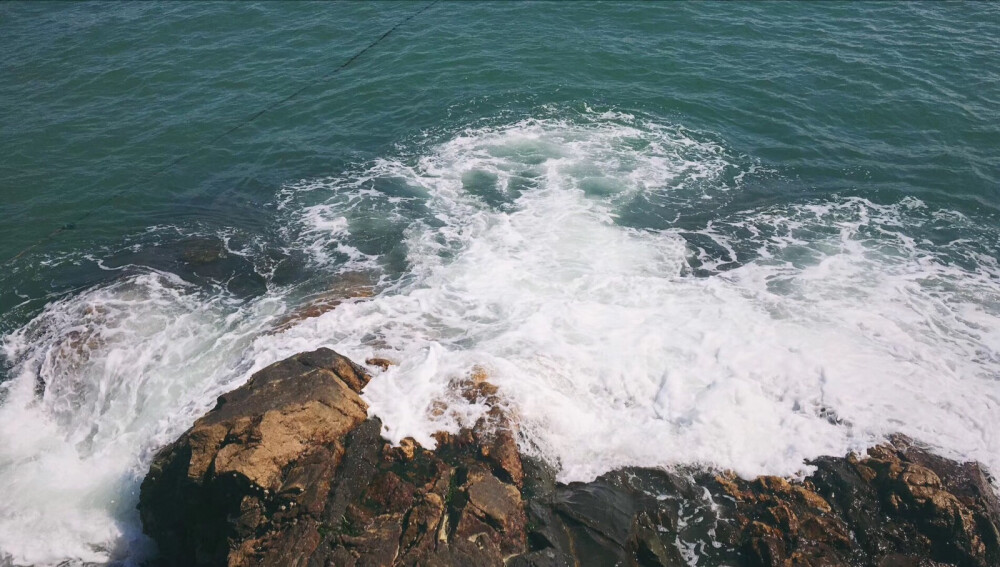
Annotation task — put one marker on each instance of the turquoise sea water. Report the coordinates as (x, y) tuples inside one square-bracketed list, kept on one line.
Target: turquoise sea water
[(702, 174)]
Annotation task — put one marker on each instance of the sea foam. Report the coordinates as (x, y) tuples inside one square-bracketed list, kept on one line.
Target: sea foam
[(102, 379), (834, 323), (754, 339)]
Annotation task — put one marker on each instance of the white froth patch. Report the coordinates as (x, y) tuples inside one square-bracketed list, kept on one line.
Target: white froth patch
[(843, 330), (123, 370)]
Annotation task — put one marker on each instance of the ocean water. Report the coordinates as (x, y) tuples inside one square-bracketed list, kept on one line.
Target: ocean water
[(733, 235)]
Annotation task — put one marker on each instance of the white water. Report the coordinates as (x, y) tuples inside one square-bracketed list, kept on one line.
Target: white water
[(126, 368), (839, 327), (844, 329)]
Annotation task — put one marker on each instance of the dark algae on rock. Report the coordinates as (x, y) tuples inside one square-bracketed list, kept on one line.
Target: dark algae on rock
[(288, 470)]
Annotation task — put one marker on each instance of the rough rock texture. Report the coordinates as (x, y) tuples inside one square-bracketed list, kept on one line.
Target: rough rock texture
[(287, 470), (900, 506), (247, 484), (460, 504)]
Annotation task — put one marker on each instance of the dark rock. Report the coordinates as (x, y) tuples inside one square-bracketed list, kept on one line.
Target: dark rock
[(287, 470), (450, 505), (201, 251), (613, 520), (889, 508), (206, 258), (544, 558)]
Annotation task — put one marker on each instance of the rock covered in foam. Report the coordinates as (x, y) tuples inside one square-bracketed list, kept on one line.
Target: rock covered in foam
[(287, 470), (350, 285)]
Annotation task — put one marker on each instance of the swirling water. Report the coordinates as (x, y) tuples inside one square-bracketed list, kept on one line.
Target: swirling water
[(735, 235)]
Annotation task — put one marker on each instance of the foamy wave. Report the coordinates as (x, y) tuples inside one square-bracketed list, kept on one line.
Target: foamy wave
[(100, 381), (549, 252), (809, 329)]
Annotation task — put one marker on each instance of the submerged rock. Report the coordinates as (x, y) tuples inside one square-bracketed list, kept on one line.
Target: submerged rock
[(288, 470), (350, 285), (201, 251)]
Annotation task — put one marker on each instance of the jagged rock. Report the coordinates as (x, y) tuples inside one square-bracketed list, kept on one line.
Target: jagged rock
[(889, 508), (495, 433), (454, 505), (256, 468), (448, 507), (378, 362), (287, 470), (614, 520)]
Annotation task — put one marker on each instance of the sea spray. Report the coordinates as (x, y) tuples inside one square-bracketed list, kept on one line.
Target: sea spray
[(809, 328), (752, 339), (102, 379)]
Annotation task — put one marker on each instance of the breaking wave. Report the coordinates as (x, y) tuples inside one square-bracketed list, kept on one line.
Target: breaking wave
[(601, 268)]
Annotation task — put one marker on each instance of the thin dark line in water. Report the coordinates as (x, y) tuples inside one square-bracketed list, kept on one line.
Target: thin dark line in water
[(248, 120)]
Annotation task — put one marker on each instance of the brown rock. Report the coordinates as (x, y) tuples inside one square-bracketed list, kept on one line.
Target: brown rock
[(421, 532), (498, 505), (810, 498), (258, 463), (496, 433), (287, 470), (408, 448), (381, 363), (379, 543), (894, 502)]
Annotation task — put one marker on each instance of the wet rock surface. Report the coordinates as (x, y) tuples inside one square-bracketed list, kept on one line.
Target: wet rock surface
[(350, 285), (288, 470)]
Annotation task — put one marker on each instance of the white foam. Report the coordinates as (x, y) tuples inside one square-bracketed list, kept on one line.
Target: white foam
[(842, 328), (843, 321), (125, 368)]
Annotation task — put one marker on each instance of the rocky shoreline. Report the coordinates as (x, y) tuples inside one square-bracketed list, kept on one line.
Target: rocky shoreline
[(288, 470)]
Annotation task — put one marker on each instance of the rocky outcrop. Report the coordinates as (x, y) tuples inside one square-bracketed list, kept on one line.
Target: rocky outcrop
[(899, 506), (460, 504), (287, 470), (248, 483)]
